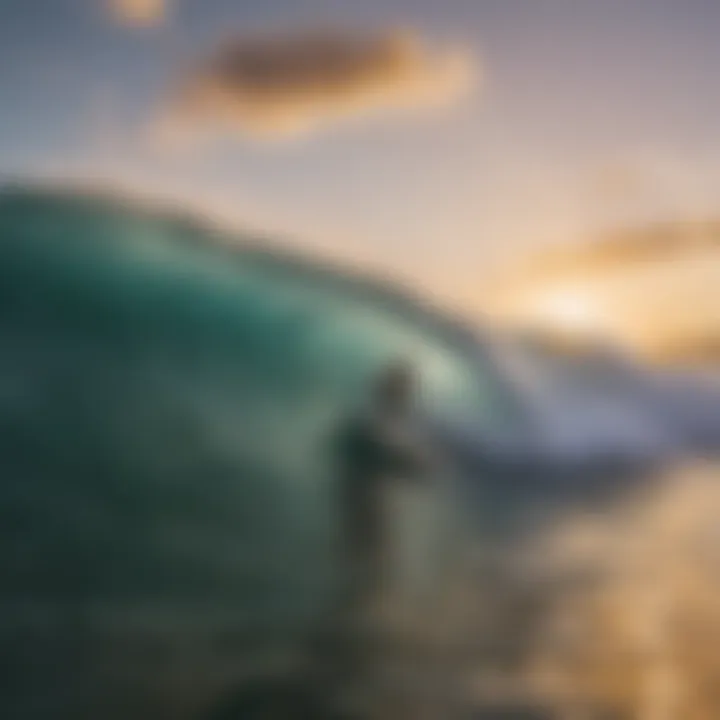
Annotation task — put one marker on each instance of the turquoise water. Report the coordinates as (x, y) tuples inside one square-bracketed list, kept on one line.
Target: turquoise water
[(166, 395)]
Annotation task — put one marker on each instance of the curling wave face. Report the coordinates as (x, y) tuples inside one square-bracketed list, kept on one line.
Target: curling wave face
[(164, 394)]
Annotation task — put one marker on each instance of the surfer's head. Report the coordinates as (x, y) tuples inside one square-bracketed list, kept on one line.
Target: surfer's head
[(395, 386)]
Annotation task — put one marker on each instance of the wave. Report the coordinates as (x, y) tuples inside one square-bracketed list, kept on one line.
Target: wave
[(167, 391)]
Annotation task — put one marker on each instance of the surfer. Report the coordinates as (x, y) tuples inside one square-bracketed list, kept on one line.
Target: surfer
[(377, 447)]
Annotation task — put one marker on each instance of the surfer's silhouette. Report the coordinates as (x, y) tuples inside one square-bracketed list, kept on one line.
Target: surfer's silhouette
[(376, 447)]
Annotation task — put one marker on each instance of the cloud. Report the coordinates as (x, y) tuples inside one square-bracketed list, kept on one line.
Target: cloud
[(279, 86), (139, 13), (634, 251)]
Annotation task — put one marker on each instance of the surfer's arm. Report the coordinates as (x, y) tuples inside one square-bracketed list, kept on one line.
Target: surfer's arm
[(406, 458)]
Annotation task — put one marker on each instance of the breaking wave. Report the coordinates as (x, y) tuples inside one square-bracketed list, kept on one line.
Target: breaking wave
[(165, 393)]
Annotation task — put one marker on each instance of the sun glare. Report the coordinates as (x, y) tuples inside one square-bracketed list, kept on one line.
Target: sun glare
[(569, 311)]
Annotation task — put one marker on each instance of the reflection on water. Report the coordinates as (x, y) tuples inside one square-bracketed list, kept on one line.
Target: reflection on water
[(628, 606), (611, 615)]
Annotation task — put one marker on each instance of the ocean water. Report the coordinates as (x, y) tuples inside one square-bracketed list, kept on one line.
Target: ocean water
[(168, 393)]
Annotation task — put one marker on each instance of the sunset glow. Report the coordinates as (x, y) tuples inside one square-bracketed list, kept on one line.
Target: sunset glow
[(568, 311)]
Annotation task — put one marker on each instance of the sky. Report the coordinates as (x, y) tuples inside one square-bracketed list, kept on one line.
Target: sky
[(434, 140)]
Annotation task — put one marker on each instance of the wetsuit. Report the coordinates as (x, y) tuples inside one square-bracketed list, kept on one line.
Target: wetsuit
[(373, 450)]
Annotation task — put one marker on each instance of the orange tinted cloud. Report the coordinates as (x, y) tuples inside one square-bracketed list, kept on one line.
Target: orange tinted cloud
[(622, 252), (139, 13), (294, 84)]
